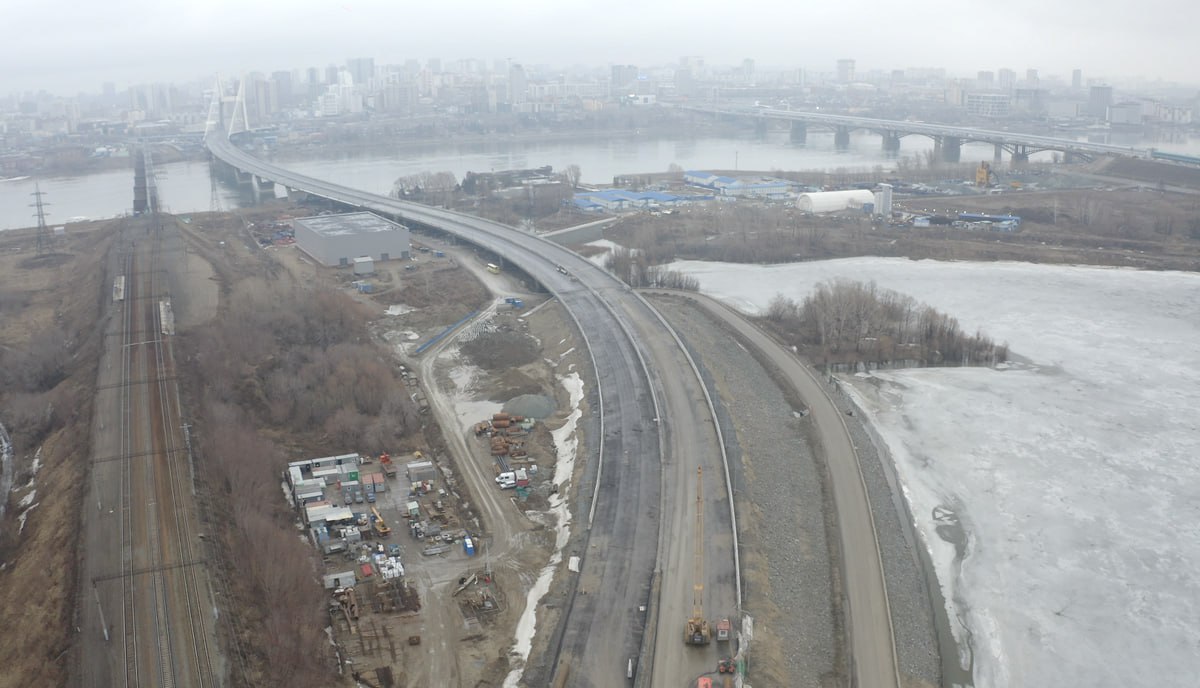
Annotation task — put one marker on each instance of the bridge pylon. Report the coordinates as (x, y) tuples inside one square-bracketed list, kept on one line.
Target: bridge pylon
[(239, 107)]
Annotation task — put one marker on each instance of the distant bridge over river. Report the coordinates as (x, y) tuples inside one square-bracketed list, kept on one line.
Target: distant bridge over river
[(948, 140)]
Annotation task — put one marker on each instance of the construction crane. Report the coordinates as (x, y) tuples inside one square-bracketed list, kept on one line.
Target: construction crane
[(697, 631)]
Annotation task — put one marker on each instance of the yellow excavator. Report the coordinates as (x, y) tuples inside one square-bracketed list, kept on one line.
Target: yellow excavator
[(697, 631), (381, 527)]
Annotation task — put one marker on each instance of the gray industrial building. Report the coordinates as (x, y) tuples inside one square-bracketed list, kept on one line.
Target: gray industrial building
[(339, 239)]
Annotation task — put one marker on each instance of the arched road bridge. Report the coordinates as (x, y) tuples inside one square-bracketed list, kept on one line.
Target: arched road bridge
[(948, 140)]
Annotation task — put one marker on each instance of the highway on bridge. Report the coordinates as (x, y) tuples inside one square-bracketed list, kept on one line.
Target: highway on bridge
[(1031, 142), (647, 468)]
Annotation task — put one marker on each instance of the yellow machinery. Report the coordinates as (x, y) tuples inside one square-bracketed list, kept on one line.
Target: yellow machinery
[(984, 176), (697, 631), (381, 526)]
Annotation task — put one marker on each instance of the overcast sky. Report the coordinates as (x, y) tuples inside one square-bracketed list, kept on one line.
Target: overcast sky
[(71, 46)]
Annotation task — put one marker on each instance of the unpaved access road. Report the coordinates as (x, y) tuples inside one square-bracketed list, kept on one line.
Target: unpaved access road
[(869, 621)]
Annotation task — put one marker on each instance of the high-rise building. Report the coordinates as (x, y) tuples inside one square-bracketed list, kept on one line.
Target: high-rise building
[(988, 104), (1077, 79), (1031, 77), (845, 71), (1099, 99), (623, 77), (283, 89), (517, 84), (331, 75), (434, 64), (1006, 79), (362, 69), (985, 79)]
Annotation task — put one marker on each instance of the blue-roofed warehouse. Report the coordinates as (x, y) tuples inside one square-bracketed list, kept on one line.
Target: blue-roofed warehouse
[(620, 199)]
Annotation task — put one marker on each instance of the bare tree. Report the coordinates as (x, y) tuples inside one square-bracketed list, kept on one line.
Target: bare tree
[(572, 175)]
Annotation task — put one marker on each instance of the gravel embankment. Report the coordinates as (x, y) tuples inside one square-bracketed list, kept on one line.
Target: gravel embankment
[(788, 577), (908, 593)]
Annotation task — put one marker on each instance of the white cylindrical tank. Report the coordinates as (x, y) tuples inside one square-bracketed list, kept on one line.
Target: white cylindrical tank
[(833, 201), (883, 200)]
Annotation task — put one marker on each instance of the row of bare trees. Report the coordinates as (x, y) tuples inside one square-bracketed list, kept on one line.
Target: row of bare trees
[(275, 572), (635, 269), (846, 320), (430, 187)]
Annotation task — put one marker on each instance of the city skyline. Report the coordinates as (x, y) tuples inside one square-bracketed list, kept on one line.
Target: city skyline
[(67, 53)]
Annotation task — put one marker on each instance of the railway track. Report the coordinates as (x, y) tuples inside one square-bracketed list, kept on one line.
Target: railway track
[(165, 639)]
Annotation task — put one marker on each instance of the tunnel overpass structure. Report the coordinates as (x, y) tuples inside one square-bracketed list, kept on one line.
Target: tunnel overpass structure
[(948, 140), (629, 503)]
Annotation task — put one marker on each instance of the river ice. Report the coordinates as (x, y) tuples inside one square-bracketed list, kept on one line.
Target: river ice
[(1074, 475)]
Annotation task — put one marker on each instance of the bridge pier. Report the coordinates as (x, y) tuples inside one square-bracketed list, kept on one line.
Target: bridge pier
[(1071, 157), (891, 142), (141, 192), (841, 138), (998, 155), (760, 128), (255, 188), (1020, 155), (799, 132), (948, 148)]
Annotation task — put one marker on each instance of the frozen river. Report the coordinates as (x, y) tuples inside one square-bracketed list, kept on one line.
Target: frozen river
[(1074, 476)]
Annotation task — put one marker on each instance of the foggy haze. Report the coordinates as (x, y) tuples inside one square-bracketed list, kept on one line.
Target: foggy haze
[(135, 41)]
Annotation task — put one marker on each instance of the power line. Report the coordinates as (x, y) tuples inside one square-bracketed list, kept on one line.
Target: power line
[(43, 232)]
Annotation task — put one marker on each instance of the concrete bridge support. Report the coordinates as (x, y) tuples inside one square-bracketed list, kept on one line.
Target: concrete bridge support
[(998, 155), (891, 142), (948, 148), (760, 128), (1020, 155), (841, 138), (296, 195), (799, 132), (255, 188), (141, 190)]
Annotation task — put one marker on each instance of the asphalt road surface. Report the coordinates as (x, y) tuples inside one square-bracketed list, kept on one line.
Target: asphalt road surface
[(873, 655), (603, 626), (146, 611)]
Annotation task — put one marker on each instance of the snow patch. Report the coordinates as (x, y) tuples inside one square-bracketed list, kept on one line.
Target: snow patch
[(399, 309), (24, 515), (566, 444), (6, 468), (469, 411)]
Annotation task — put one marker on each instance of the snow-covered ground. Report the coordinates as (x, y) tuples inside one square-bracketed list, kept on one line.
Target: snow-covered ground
[(566, 444), (1075, 477)]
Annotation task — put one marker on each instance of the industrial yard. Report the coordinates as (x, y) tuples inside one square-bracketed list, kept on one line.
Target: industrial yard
[(428, 547)]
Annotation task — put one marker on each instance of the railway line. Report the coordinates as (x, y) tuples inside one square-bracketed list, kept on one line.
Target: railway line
[(163, 633)]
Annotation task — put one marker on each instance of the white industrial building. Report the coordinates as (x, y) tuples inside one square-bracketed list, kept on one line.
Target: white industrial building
[(339, 239), (833, 201)]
